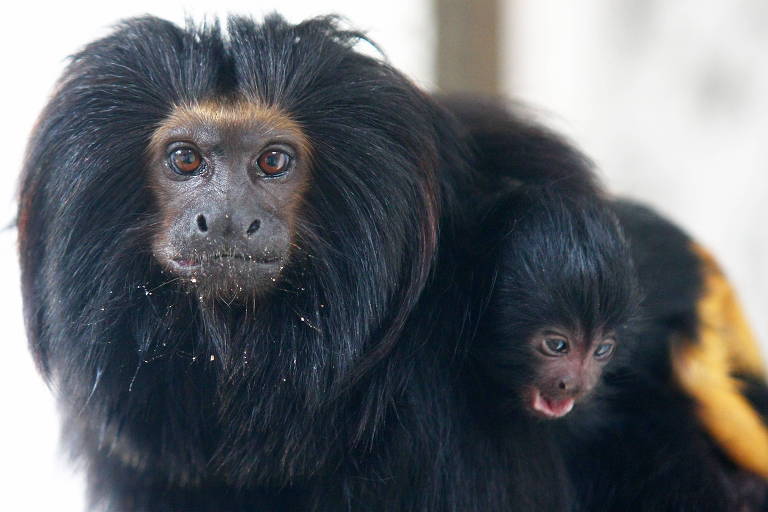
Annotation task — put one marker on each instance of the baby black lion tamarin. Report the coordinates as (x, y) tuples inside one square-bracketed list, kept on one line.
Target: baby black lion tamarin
[(564, 290)]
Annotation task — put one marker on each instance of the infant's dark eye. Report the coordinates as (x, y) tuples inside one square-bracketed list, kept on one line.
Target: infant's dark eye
[(273, 162), (185, 161), (555, 346), (604, 350)]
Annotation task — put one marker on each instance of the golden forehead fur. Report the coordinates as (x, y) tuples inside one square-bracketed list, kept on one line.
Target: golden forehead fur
[(236, 114)]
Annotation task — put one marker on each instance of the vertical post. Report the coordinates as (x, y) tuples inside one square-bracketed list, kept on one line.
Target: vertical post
[(468, 46)]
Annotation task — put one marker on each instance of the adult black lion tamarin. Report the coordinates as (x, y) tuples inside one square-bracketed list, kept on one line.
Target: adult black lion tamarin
[(222, 237), (245, 274), (682, 423)]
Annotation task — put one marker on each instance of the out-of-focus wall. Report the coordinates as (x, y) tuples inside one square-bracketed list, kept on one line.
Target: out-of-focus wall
[(671, 100), (36, 39)]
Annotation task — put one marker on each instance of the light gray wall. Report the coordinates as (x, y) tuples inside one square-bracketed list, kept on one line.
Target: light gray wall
[(671, 99)]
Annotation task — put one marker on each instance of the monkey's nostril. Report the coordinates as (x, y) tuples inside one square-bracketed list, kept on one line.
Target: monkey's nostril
[(202, 225), (255, 225), (561, 385)]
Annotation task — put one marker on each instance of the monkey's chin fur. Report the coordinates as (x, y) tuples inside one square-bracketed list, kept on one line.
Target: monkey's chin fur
[(550, 408)]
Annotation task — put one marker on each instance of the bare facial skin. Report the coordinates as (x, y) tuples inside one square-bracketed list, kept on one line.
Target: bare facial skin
[(567, 368), (228, 179)]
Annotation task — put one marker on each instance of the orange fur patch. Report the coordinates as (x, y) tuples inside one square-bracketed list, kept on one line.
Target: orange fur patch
[(234, 114), (705, 369)]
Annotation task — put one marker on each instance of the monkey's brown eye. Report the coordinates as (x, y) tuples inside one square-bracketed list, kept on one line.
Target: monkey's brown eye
[(604, 350), (185, 161), (555, 346), (273, 162)]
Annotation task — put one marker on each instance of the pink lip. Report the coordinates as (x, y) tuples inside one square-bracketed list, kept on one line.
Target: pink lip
[(550, 408)]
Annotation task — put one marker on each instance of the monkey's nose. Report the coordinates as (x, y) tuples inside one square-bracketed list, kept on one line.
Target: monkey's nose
[(569, 385), (224, 226), (202, 223), (253, 227)]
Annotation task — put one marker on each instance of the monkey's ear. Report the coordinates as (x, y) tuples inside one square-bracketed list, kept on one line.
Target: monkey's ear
[(718, 368)]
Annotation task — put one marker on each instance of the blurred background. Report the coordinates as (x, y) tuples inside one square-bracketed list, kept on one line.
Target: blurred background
[(669, 98)]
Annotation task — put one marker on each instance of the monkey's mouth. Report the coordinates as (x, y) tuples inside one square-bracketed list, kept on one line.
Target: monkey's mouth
[(198, 263), (226, 275), (219, 272), (548, 407)]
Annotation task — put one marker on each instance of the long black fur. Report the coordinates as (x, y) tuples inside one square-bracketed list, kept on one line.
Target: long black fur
[(167, 396), (352, 387), (349, 388)]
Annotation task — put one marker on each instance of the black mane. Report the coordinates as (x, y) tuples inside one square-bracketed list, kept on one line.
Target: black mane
[(122, 341)]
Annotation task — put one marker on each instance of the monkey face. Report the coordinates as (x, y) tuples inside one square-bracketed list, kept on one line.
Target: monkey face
[(567, 367), (228, 180)]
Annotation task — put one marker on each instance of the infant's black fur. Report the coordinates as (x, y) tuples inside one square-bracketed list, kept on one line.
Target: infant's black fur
[(563, 270)]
